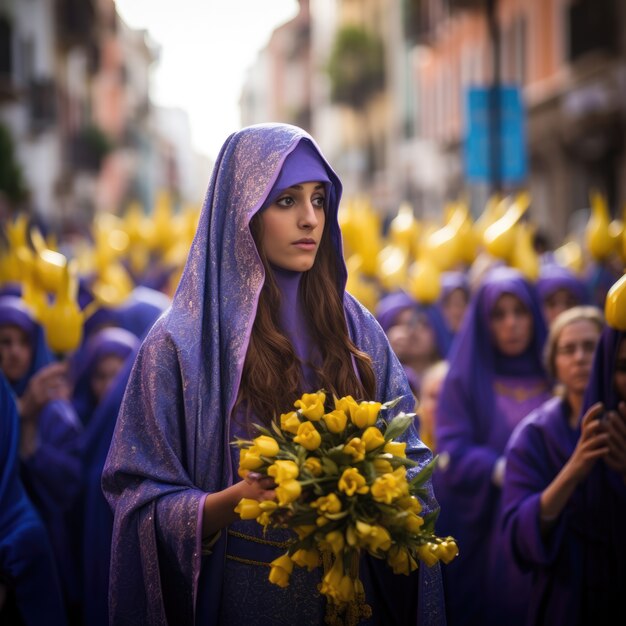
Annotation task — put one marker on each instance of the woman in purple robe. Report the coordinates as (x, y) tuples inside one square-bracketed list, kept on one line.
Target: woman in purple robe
[(49, 431), (260, 315), (453, 299), (30, 593), (495, 379), (549, 458), (417, 333), (559, 289), (602, 597), (96, 366)]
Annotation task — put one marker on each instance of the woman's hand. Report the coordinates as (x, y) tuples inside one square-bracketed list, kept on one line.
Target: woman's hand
[(615, 427), (592, 445), (258, 487), (49, 383), (219, 507)]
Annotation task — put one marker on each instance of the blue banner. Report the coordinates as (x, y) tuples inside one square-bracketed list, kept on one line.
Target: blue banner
[(511, 141)]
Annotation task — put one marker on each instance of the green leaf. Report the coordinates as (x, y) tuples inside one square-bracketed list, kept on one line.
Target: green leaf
[(420, 479), (398, 425), (329, 466)]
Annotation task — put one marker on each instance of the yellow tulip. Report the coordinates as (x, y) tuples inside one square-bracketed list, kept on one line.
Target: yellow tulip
[(373, 438), (336, 421), (373, 537), (289, 422), (280, 571), (389, 487), (352, 482), (366, 414), (304, 531), (414, 523), (313, 465), (248, 508), (347, 404), (306, 558), (266, 446), (249, 459), (331, 582), (382, 466), (335, 541), (311, 405), (288, 491), (400, 561), (410, 503), (426, 554), (308, 436), (327, 504), (446, 550), (396, 448), (356, 449), (281, 471)]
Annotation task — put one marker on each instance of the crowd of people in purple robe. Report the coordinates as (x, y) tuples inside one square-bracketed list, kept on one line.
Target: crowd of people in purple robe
[(519, 389)]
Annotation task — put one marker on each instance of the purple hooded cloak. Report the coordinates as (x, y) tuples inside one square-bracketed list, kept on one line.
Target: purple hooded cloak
[(483, 397), (26, 561), (172, 440)]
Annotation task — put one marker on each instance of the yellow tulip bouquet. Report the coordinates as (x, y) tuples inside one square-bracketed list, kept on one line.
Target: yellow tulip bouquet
[(341, 486)]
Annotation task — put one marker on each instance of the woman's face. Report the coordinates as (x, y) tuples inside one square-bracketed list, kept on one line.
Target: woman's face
[(557, 302), (411, 337), (429, 398), (103, 375), (293, 226), (511, 325), (619, 379), (573, 358), (16, 352), (454, 308)]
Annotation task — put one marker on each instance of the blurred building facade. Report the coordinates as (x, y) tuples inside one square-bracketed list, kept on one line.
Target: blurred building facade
[(400, 136), (75, 87)]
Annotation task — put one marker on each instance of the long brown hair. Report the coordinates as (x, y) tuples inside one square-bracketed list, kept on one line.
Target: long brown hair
[(272, 374)]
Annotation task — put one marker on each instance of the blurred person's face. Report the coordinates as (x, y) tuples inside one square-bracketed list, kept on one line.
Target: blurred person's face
[(573, 357), (430, 389), (619, 378), (557, 302), (103, 375), (454, 308), (511, 325), (412, 337), (16, 352)]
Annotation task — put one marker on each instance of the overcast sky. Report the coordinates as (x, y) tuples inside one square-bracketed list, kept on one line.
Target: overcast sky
[(206, 48)]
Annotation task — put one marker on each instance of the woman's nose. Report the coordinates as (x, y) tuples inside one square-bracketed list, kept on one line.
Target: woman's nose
[(308, 216)]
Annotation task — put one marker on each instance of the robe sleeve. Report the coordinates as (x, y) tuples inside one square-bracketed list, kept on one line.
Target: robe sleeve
[(527, 475), (156, 546), (466, 465)]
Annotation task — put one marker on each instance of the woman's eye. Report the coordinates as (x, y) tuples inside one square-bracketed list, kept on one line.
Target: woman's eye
[(285, 201), (319, 202)]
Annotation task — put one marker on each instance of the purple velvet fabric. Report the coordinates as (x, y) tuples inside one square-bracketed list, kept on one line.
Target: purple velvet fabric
[(106, 342), (603, 600), (472, 432), (538, 450), (172, 440), (27, 564)]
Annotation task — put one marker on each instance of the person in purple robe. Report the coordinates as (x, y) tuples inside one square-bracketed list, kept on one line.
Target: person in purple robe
[(495, 379), (97, 365), (49, 431), (549, 457), (260, 315), (30, 592), (559, 289), (602, 599), (417, 333), (454, 298)]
